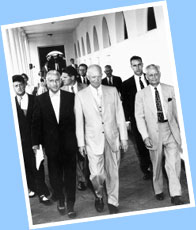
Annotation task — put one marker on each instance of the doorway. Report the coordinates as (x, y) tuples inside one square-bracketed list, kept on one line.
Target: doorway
[(43, 51)]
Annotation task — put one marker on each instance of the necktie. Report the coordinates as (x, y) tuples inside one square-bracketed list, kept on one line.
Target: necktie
[(84, 80), (99, 101), (110, 80), (72, 89), (159, 106), (141, 83)]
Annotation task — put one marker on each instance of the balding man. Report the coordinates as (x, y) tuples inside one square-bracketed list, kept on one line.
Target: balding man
[(54, 127), (156, 117), (100, 131)]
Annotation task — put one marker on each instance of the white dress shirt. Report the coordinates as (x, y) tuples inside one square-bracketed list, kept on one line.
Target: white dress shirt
[(23, 101), (97, 95), (137, 81), (108, 79), (75, 88), (55, 99), (164, 107)]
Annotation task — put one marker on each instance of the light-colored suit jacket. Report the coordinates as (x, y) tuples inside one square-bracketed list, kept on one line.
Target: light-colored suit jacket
[(146, 114), (92, 127)]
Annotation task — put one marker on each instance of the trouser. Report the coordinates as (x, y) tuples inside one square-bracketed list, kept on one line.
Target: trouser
[(105, 168), (35, 178), (62, 174), (142, 152), (169, 147), (80, 169)]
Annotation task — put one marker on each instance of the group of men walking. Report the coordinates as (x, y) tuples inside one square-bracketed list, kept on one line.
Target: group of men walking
[(88, 119)]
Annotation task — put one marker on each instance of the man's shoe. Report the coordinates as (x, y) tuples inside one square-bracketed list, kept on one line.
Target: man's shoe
[(44, 200), (99, 205), (81, 186), (159, 196), (71, 213), (176, 200), (147, 176), (31, 194), (61, 207), (112, 209)]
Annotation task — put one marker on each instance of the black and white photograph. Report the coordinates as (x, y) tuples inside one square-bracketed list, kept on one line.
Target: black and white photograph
[(97, 115)]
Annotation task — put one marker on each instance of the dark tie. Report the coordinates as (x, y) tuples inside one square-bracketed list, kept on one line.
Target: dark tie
[(84, 80), (110, 80), (72, 89), (141, 84), (159, 106)]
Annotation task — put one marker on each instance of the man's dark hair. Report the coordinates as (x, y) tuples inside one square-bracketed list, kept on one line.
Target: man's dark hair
[(25, 76), (18, 78), (84, 65), (108, 66), (135, 58), (71, 71)]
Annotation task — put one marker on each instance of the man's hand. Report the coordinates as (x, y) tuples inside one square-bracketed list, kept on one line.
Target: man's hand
[(148, 142), (82, 151), (35, 148), (124, 145)]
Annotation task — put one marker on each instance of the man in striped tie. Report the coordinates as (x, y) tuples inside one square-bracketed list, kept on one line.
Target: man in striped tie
[(157, 121)]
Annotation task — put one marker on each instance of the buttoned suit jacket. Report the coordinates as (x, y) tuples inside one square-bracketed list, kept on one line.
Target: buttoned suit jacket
[(117, 82), (129, 91), (57, 138), (146, 114), (92, 127)]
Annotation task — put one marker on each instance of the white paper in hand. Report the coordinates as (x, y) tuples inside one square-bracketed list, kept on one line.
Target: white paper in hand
[(39, 157)]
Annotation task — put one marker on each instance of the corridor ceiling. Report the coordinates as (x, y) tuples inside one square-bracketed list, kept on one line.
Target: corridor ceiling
[(52, 27)]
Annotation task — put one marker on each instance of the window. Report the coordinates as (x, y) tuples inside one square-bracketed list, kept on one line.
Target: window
[(106, 35), (88, 43), (151, 19), (79, 53), (95, 39), (121, 28), (83, 48)]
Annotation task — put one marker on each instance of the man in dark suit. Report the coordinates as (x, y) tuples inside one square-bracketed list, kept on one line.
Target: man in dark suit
[(129, 89), (82, 78), (54, 126), (70, 84), (75, 66), (24, 105), (111, 80)]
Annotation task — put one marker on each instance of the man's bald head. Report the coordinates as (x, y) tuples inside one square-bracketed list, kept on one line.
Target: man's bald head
[(94, 75)]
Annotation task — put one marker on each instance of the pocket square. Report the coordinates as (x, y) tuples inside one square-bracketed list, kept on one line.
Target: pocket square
[(169, 99)]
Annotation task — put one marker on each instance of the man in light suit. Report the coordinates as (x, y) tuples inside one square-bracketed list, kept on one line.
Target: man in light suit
[(53, 126), (70, 84), (100, 131), (156, 117)]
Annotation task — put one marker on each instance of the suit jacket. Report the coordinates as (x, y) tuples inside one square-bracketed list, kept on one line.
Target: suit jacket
[(25, 123), (80, 80), (129, 91), (117, 82), (92, 127), (146, 113), (57, 138)]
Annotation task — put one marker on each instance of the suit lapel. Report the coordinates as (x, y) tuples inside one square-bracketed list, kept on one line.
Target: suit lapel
[(150, 100), (50, 107), (91, 99)]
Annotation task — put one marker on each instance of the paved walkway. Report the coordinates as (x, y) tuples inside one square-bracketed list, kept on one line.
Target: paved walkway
[(135, 194)]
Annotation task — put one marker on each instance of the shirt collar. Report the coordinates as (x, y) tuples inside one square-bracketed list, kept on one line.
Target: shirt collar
[(94, 90)]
